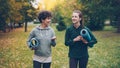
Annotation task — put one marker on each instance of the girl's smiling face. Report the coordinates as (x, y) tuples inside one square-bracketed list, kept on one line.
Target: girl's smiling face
[(47, 21), (75, 18)]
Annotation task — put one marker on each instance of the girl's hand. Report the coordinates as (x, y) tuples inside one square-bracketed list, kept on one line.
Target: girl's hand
[(78, 38), (53, 38), (84, 41)]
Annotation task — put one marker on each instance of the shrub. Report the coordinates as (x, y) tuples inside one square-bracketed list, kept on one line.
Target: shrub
[(61, 26)]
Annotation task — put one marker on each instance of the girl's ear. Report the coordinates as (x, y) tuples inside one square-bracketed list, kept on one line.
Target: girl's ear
[(42, 20), (80, 19)]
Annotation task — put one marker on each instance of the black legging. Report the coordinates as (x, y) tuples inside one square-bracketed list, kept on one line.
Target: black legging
[(37, 64), (73, 62)]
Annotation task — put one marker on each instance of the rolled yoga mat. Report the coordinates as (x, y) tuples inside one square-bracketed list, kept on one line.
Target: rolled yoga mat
[(85, 34), (34, 43)]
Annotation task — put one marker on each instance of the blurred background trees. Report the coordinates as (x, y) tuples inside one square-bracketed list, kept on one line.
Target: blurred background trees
[(95, 12), (15, 13), (4, 13)]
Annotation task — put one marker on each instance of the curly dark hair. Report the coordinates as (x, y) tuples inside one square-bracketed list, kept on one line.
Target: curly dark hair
[(43, 15)]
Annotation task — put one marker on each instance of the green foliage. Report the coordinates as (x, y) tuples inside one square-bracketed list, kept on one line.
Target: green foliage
[(97, 11), (18, 0), (95, 24), (36, 22), (94, 13), (61, 25), (22, 0), (27, 16), (4, 8), (58, 18), (114, 23), (4, 14)]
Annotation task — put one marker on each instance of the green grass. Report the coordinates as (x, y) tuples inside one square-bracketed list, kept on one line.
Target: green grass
[(14, 52)]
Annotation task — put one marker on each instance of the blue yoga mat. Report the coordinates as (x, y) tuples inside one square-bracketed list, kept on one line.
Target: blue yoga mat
[(34, 43), (85, 34)]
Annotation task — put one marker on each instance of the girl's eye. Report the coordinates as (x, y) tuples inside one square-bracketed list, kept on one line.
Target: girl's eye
[(75, 16), (48, 17)]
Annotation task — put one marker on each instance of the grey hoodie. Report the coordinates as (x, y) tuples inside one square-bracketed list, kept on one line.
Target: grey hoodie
[(44, 36)]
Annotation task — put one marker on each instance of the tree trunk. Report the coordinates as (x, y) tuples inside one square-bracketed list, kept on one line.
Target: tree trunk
[(118, 25), (25, 26), (11, 25)]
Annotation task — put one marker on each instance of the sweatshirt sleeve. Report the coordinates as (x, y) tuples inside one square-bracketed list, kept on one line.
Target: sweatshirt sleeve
[(93, 39), (68, 40), (31, 35)]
